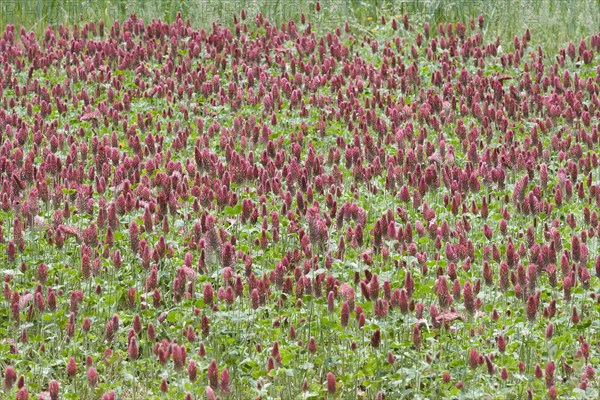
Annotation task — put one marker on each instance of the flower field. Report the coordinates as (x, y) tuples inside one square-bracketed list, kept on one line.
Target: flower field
[(268, 211)]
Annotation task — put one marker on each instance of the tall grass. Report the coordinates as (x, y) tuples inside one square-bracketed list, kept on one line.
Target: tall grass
[(553, 23)]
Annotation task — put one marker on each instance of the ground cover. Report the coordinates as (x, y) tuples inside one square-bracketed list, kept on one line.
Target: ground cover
[(407, 211)]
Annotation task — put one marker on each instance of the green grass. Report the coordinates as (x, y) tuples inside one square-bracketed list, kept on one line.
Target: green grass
[(553, 23)]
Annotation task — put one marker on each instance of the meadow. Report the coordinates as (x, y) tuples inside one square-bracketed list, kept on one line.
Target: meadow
[(267, 205)]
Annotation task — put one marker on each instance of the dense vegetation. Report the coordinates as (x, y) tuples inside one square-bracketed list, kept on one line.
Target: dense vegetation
[(279, 210)]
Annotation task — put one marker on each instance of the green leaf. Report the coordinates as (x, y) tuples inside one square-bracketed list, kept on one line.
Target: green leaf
[(233, 210)]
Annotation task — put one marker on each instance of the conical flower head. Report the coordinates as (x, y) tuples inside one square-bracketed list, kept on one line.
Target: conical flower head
[(10, 377), (192, 371), (53, 389), (209, 294), (331, 383), (213, 374), (71, 368), (132, 349), (92, 377), (531, 308), (225, 383)]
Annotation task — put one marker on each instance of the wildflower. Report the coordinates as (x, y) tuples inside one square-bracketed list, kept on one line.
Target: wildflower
[(134, 239), (164, 386), (487, 274), (255, 299), (330, 302), (86, 272), (490, 366), (575, 316), (331, 384), (228, 256), (473, 359), (213, 374), (361, 320), (391, 359), (551, 272), (133, 349), (205, 326), (137, 324), (376, 339), (178, 354), (531, 308), (589, 371), (380, 308), (10, 377), (192, 371), (446, 377), (15, 304), (225, 383), (71, 368), (210, 393), (270, 364), (549, 331), (501, 344), (209, 294), (22, 394), (550, 374), (312, 345), (92, 377), (53, 389), (11, 251), (416, 336), (538, 373), (441, 288)]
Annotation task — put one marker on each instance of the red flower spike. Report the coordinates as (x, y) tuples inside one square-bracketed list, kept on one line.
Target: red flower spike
[(71, 368), (213, 374), (164, 386), (92, 377), (53, 389), (417, 339), (192, 371), (10, 377), (312, 345), (331, 383), (225, 383)]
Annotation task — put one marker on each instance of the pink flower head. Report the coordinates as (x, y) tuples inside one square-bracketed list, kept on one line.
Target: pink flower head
[(133, 349), (92, 377), (331, 383), (531, 308), (473, 358), (417, 340), (192, 371), (210, 393), (71, 368), (225, 383), (209, 294), (10, 377), (22, 394), (469, 298), (376, 339), (550, 374), (213, 374), (312, 345), (53, 389)]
